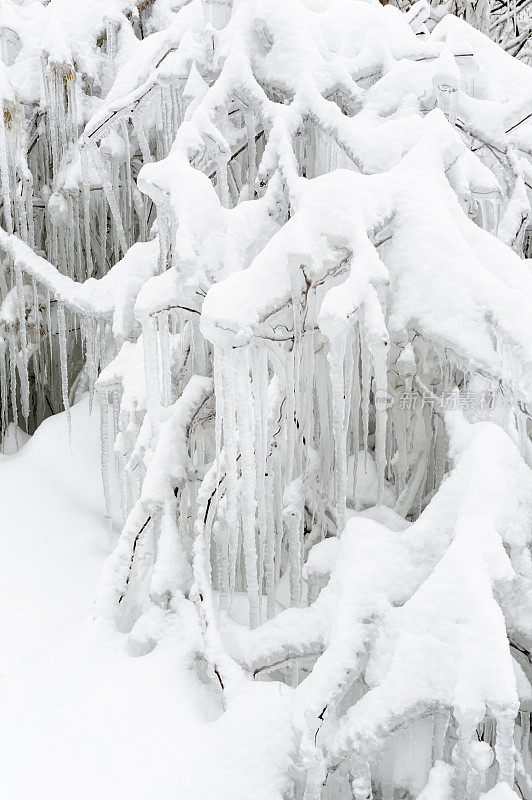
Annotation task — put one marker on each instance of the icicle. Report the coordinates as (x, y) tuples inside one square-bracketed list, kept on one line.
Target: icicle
[(164, 243), (49, 323), (138, 126), (336, 361), (323, 433), (379, 354), (160, 124), (164, 345), (399, 428), (387, 773), (69, 241), (525, 719), (348, 382), (278, 510), (354, 421), (480, 760), (505, 749), (225, 359), (91, 355), (102, 231), (23, 362), (221, 537), (76, 221), (59, 78), (269, 546), (4, 174), (222, 180), (28, 199), (293, 517), (101, 338), (245, 417), (460, 753), (36, 316), (296, 277), (128, 188), (13, 377), (22, 219), (115, 397), (522, 434), (116, 193), (111, 39), (307, 420), (441, 723), (61, 329), (151, 370), (140, 211), (259, 366), (485, 209), (249, 118), (4, 399), (105, 451), (365, 394), (86, 210), (361, 781), (73, 130), (218, 394), (109, 193), (447, 99), (290, 415)]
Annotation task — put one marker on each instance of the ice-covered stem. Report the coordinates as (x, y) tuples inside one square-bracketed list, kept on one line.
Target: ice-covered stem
[(228, 673), (118, 568)]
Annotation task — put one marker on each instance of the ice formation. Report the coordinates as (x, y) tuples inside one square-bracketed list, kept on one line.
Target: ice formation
[(283, 245)]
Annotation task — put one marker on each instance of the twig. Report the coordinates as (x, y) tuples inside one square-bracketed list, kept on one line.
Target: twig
[(132, 559)]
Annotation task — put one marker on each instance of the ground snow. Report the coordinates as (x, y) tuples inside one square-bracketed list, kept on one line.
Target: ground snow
[(81, 719)]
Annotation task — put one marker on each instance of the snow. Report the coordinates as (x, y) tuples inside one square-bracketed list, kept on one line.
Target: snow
[(500, 792), (59, 525), (439, 783), (97, 298), (81, 717), (168, 466), (284, 244)]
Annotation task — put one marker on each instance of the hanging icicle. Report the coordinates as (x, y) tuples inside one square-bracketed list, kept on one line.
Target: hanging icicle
[(245, 420), (61, 331)]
